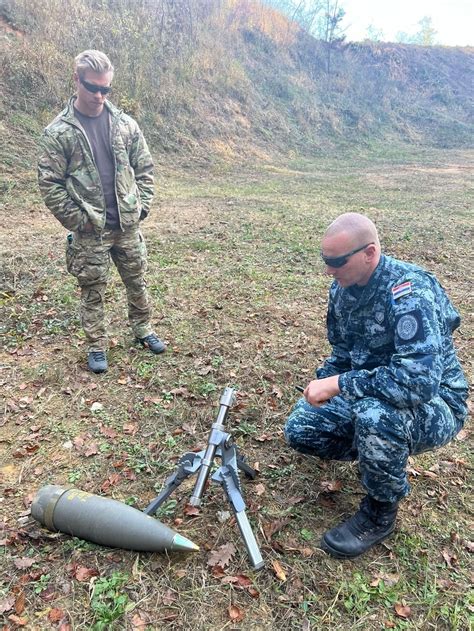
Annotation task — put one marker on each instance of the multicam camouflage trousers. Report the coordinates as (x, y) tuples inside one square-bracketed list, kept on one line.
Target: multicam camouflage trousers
[(377, 434), (88, 257)]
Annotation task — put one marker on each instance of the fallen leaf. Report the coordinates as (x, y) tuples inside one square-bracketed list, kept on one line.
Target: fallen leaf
[(183, 392), (139, 621), (331, 486), (20, 603), (7, 603), (55, 615), (218, 571), (191, 511), (279, 572), (169, 598), (271, 528), (83, 574), (263, 437), (462, 435), (21, 622), (254, 593), (109, 432), (130, 429), (235, 613), (188, 428), (24, 563), (91, 450), (277, 392), (239, 581), (450, 558), (259, 489), (403, 611), (222, 555)]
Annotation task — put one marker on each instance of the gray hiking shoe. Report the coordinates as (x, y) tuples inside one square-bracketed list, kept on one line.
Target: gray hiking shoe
[(97, 361), (153, 343)]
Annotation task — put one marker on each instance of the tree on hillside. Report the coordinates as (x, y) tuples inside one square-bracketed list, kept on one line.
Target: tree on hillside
[(306, 13), (320, 18), (373, 34), (426, 36), (332, 32)]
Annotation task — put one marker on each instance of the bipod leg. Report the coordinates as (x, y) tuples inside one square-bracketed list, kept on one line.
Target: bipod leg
[(228, 477), (246, 468), (187, 465)]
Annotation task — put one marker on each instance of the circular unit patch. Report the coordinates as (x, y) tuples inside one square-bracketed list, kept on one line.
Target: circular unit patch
[(407, 327)]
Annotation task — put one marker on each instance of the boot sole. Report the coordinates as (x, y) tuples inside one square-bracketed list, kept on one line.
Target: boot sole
[(98, 372), (147, 348)]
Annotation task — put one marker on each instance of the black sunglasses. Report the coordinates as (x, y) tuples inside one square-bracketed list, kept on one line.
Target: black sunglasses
[(92, 87), (340, 261)]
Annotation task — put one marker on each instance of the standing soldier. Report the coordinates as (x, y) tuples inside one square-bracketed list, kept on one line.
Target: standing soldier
[(96, 176), (393, 385)]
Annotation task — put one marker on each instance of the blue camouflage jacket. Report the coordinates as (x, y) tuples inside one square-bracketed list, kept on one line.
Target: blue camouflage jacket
[(392, 339)]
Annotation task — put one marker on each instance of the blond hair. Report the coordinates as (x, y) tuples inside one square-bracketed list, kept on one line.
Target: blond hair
[(92, 60)]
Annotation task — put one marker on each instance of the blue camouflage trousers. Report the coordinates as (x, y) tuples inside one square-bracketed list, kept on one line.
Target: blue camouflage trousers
[(377, 434)]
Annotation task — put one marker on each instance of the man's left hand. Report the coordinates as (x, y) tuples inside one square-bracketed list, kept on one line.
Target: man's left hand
[(319, 391)]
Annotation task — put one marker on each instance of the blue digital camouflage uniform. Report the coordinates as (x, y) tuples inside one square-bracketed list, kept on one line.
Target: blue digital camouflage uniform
[(402, 388)]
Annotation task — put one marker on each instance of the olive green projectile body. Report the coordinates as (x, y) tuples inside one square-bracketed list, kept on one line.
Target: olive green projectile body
[(104, 521)]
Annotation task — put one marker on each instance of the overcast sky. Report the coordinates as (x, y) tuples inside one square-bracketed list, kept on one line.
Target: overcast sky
[(452, 19)]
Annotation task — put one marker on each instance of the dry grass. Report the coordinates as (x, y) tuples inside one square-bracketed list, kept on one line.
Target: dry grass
[(240, 297)]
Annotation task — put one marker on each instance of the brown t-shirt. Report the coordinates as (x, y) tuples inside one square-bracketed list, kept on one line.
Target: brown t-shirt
[(97, 129)]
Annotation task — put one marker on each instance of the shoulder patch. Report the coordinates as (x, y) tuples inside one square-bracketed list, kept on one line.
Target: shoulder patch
[(401, 290), (409, 327)]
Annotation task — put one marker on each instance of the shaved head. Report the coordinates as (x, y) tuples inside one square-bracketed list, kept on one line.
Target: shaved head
[(353, 238), (358, 228)]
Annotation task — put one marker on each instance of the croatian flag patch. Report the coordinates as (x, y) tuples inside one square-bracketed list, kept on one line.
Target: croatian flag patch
[(401, 290)]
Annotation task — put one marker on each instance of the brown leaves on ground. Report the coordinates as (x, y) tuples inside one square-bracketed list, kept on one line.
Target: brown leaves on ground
[(222, 556), (235, 613), (24, 563), (7, 603), (402, 611), (279, 571), (55, 614), (82, 573), (331, 486), (271, 528), (449, 557)]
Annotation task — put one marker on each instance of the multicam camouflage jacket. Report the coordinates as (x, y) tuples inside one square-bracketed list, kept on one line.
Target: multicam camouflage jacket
[(69, 180), (392, 339)]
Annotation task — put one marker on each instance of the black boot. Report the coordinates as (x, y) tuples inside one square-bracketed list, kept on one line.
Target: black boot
[(372, 523)]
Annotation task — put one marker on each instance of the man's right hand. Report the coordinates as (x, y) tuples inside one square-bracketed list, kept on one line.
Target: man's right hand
[(319, 391)]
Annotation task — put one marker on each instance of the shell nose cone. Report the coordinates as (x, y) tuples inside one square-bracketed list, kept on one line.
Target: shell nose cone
[(181, 543)]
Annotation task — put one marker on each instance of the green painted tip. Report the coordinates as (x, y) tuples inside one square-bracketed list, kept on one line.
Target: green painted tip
[(181, 543)]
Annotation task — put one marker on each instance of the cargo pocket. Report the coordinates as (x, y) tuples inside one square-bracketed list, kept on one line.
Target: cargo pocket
[(85, 261)]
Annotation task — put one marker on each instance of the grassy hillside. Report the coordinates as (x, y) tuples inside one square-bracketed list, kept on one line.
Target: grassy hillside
[(233, 78)]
